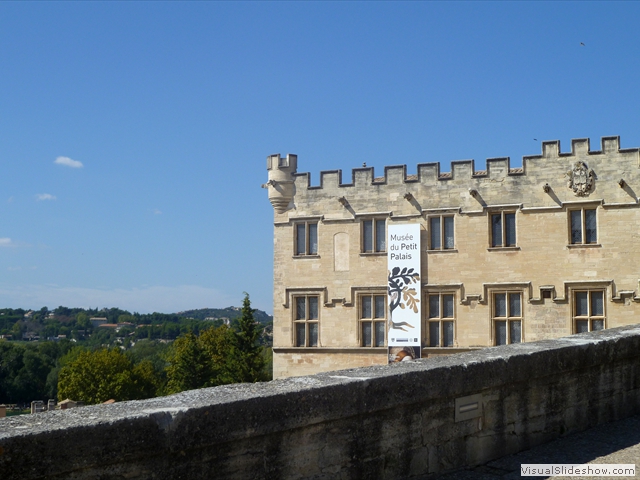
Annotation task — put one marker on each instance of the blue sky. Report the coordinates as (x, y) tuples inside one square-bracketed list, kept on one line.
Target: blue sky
[(171, 109)]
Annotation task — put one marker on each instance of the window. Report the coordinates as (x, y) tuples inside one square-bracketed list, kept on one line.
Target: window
[(441, 317), (503, 229), (507, 317), (583, 226), (374, 235), (588, 310), (306, 238), (441, 233), (373, 320), (306, 321)]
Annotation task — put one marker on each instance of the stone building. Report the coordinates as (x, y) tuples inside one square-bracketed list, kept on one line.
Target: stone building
[(507, 254)]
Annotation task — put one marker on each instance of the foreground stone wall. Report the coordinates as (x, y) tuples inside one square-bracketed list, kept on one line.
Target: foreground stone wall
[(408, 420)]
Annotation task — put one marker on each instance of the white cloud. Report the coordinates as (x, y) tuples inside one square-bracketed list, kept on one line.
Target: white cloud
[(7, 242), (10, 200), (144, 300), (45, 196), (157, 212), (67, 162)]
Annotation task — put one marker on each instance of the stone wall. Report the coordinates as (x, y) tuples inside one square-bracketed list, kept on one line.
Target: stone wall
[(408, 420)]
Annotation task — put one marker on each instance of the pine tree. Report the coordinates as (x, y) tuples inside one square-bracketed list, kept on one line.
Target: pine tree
[(249, 362)]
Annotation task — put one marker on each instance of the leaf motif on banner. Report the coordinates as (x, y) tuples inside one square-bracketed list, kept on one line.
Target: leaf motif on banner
[(398, 281), (408, 294)]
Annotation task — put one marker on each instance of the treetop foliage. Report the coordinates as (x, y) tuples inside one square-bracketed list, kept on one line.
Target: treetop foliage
[(138, 361)]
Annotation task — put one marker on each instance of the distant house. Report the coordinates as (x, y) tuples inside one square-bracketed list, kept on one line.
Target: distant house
[(113, 326), (97, 321)]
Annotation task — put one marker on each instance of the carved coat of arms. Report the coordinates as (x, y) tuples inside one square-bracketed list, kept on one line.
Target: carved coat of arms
[(581, 179)]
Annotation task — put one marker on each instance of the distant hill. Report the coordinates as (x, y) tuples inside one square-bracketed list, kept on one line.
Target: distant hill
[(219, 313)]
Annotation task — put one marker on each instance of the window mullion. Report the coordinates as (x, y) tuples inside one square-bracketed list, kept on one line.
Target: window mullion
[(373, 316), (307, 327), (374, 244), (441, 314), (504, 234), (508, 305)]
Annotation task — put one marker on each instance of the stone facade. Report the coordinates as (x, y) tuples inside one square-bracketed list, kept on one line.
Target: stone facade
[(508, 255)]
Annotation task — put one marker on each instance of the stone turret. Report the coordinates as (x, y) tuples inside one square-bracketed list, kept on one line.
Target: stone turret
[(280, 184)]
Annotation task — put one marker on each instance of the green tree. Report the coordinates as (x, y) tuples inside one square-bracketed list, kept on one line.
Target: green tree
[(201, 361), (82, 320), (248, 359), (126, 318), (146, 382), (18, 329), (10, 364), (218, 344), (190, 366), (94, 377), (24, 371)]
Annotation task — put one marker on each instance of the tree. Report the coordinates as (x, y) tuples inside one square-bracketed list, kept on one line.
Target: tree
[(202, 361), (24, 371), (95, 377), (249, 361), (10, 364), (18, 329), (32, 377), (218, 344), (146, 381), (190, 366), (82, 320), (219, 355)]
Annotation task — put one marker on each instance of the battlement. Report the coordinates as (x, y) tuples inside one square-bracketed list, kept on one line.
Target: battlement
[(541, 182), (465, 169)]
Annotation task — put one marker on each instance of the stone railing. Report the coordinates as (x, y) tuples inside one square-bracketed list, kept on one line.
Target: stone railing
[(401, 421)]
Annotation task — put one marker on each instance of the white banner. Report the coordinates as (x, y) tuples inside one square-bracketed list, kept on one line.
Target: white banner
[(403, 263)]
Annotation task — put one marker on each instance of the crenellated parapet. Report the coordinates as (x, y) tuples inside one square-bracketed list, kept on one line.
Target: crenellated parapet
[(495, 167), (543, 180)]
